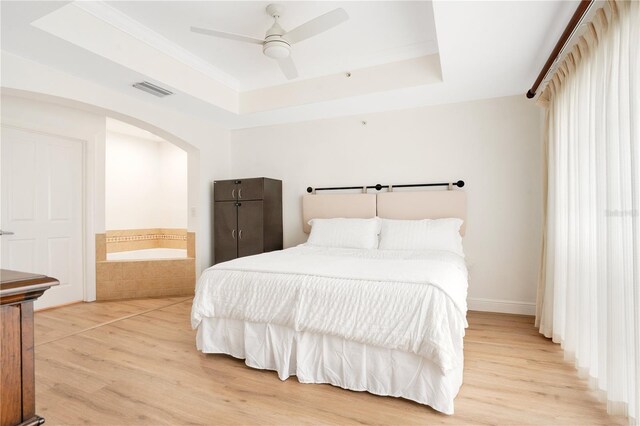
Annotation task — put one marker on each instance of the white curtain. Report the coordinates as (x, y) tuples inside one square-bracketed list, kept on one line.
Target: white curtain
[(589, 293)]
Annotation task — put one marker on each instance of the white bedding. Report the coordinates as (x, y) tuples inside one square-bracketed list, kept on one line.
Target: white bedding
[(412, 301)]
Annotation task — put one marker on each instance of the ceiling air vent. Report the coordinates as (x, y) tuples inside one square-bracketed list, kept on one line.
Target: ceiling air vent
[(153, 89)]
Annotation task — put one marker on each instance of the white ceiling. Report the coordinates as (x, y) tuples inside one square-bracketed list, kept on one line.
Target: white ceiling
[(486, 49), (377, 32)]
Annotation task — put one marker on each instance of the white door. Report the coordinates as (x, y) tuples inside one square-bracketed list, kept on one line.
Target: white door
[(42, 207)]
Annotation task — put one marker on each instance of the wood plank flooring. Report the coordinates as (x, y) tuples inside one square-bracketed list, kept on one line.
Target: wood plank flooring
[(135, 362)]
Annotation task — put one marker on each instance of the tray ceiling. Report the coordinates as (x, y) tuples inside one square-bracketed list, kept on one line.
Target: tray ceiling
[(400, 54)]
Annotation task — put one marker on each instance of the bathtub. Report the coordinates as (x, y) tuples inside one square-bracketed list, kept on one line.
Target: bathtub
[(153, 253)]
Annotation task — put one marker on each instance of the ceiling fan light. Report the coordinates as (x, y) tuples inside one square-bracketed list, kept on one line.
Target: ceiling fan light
[(276, 49)]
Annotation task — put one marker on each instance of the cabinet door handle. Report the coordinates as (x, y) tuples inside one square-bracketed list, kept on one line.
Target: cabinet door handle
[(240, 193), (233, 234), (240, 234), (233, 193)]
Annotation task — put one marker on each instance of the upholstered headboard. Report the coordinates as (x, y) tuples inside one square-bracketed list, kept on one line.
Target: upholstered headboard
[(423, 205), (326, 206), (388, 205)]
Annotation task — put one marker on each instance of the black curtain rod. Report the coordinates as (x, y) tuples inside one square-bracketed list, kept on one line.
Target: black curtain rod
[(378, 187)]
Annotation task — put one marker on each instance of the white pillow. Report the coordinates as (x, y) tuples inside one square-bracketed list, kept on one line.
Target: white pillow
[(426, 234), (346, 233)]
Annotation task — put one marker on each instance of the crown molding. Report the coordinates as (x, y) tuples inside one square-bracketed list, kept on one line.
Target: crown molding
[(125, 23)]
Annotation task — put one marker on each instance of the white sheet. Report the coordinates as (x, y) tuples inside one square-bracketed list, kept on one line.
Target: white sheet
[(409, 301)]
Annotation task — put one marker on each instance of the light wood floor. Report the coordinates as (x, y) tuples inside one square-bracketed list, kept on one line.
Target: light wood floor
[(135, 362)]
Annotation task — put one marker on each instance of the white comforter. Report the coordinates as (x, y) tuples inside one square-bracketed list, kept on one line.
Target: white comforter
[(405, 300)]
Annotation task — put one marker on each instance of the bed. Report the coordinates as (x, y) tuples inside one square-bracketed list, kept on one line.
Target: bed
[(390, 322)]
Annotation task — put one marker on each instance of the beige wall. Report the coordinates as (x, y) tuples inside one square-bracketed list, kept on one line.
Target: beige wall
[(494, 145)]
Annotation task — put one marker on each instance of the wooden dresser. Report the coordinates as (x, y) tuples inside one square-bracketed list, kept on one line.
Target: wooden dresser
[(247, 217), (18, 290)]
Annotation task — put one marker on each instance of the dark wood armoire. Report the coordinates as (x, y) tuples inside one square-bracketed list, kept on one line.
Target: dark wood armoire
[(247, 217)]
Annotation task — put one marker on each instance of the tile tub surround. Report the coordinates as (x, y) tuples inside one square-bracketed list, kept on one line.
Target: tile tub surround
[(138, 239), (127, 279), (101, 247), (191, 244)]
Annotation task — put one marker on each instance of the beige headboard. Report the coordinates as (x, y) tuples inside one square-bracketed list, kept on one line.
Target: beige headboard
[(423, 205), (388, 205), (326, 206)]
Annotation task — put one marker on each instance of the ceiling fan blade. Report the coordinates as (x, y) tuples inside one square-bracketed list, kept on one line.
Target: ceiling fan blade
[(316, 26), (230, 36), (288, 68)]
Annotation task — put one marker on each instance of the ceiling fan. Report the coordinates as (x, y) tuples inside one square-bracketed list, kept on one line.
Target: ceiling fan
[(277, 42)]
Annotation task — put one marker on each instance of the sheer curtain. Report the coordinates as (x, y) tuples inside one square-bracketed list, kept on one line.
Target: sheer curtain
[(589, 293)]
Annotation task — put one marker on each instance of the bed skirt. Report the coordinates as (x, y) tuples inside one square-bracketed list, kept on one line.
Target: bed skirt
[(317, 358)]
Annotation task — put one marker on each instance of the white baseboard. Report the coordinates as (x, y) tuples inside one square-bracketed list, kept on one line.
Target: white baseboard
[(502, 306)]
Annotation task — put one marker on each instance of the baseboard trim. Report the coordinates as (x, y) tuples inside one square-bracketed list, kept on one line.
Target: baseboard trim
[(58, 306), (502, 306)]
